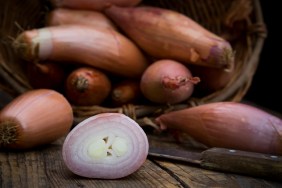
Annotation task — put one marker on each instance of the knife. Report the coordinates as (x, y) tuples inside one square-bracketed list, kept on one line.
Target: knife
[(226, 160)]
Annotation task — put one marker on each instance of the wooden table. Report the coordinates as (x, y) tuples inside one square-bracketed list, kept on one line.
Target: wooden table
[(44, 167)]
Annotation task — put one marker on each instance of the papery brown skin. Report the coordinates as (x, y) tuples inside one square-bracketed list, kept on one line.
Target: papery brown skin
[(167, 34), (97, 5), (167, 82), (63, 16), (35, 118), (125, 92), (87, 86), (98, 47), (229, 125), (48, 75)]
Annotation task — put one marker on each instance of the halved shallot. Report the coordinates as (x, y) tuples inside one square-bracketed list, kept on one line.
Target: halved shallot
[(105, 146)]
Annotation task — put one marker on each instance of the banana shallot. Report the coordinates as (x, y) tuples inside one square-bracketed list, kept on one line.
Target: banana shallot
[(230, 125), (167, 34)]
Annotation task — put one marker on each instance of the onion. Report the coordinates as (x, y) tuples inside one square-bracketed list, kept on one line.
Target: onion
[(35, 118), (167, 81), (62, 16), (98, 5), (98, 47), (228, 124), (49, 75), (125, 92), (87, 86), (167, 34), (105, 146), (212, 79)]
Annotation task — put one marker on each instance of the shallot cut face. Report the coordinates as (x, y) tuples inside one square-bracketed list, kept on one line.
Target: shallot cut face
[(105, 146)]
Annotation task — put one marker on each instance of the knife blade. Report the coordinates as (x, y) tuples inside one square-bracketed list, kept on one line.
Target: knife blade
[(226, 160)]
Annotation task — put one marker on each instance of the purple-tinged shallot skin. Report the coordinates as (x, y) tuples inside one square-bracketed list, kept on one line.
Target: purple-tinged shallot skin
[(105, 146), (229, 125), (167, 34), (167, 82)]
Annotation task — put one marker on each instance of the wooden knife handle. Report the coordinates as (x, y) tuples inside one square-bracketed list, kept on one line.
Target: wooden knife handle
[(241, 162)]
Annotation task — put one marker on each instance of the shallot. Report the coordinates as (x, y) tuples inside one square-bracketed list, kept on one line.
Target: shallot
[(125, 92), (167, 34), (230, 125), (63, 16), (35, 118), (102, 48), (167, 81), (87, 86), (105, 146)]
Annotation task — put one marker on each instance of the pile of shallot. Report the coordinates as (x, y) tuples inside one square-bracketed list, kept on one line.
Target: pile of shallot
[(89, 50), (120, 52)]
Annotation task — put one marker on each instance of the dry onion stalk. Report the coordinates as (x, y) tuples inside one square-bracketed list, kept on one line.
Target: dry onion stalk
[(35, 118), (105, 146)]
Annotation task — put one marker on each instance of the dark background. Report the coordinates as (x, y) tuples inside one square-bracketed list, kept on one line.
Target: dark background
[(266, 86)]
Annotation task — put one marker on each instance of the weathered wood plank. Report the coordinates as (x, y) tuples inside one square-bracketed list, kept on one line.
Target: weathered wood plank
[(195, 177), (45, 168)]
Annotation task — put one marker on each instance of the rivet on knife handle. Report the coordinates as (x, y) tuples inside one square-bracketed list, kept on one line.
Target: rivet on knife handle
[(248, 163)]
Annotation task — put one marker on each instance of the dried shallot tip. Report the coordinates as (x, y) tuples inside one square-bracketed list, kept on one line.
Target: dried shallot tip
[(105, 146), (167, 82), (229, 125), (87, 86), (102, 48), (167, 34), (35, 118), (97, 5), (175, 83), (63, 16)]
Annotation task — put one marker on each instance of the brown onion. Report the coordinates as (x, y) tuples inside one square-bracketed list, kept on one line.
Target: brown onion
[(167, 34), (35, 118), (87, 86), (167, 81), (105, 146), (228, 124)]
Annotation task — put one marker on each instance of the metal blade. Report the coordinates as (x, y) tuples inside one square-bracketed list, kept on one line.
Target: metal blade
[(176, 154)]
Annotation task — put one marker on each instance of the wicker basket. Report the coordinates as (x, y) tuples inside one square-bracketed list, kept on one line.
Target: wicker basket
[(241, 21)]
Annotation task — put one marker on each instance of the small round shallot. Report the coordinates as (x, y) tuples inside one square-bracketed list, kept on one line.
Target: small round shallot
[(35, 118), (105, 146), (87, 86), (167, 81)]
